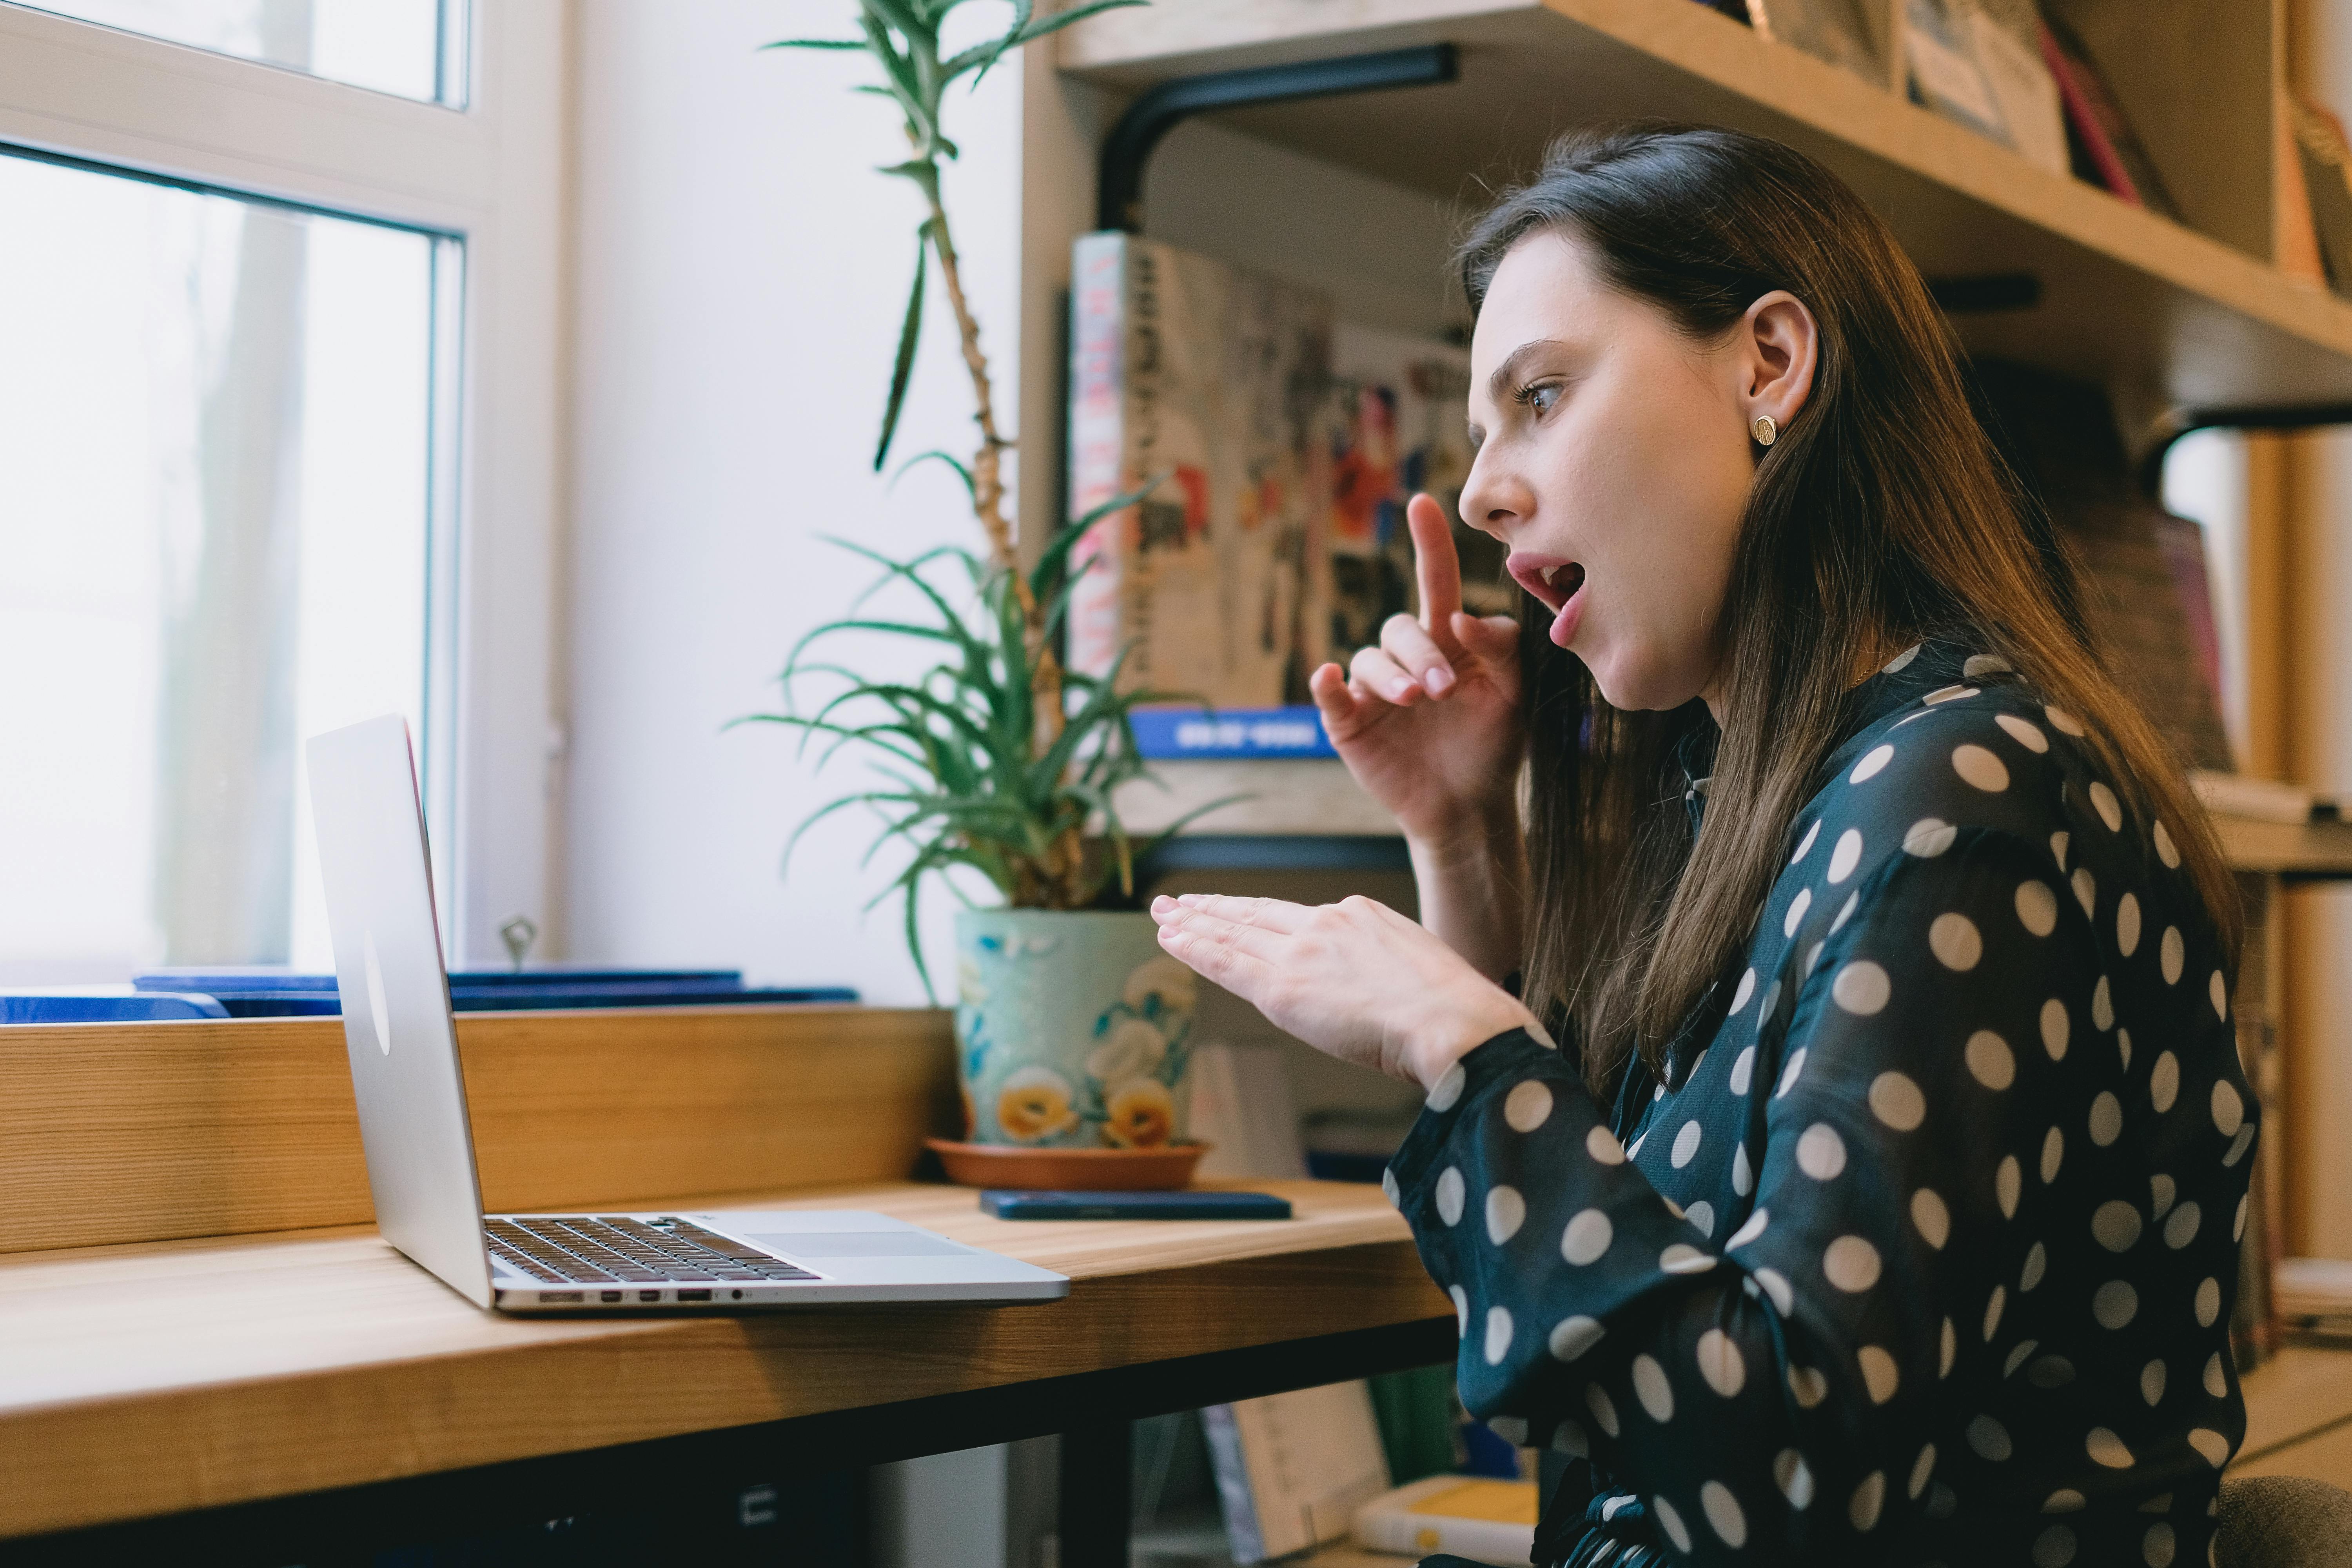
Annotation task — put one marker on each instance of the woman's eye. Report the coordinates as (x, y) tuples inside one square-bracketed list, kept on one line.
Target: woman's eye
[(1540, 396)]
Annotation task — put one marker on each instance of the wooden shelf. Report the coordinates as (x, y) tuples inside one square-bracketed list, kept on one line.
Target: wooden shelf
[(2316, 849), (2162, 314), (1319, 798)]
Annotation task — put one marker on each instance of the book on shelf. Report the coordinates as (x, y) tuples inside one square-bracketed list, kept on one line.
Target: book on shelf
[(2105, 150), (1208, 382), (2140, 573), (1284, 449), (1477, 1516), (1831, 30), (1293, 731), (2261, 800), (2007, 34), (1943, 70), (1395, 428), (1243, 1112), (1292, 1468), (2317, 138)]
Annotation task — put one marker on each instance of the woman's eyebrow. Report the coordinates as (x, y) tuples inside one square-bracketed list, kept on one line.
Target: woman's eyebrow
[(1504, 373)]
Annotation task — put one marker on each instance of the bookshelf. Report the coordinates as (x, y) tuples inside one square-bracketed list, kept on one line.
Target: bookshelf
[(2169, 315)]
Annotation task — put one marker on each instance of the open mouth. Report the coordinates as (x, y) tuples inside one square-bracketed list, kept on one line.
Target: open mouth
[(1558, 586), (1553, 583)]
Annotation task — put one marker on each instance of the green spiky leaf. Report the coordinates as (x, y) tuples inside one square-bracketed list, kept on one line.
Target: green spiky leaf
[(911, 332)]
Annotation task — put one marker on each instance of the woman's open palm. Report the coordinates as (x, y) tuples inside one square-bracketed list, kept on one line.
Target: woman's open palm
[(1428, 721)]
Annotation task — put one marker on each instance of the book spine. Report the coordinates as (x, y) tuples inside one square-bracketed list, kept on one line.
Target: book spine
[(2083, 116), (1231, 734), (1099, 450)]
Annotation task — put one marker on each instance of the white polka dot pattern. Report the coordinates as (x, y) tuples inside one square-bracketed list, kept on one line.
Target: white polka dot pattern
[(1990, 1061), (1527, 1106), (1847, 855), (1954, 939), (1720, 1364), (1672, 1523), (1861, 987), (1451, 1190), (1915, 1122), (1981, 768), (2023, 732), (1651, 1388), (1932, 1218), (1929, 837), (1505, 1212), (1573, 1336), (1723, 1513), (1587, 1238)]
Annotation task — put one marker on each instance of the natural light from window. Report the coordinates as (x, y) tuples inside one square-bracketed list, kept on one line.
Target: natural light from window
[(399, 46), (217, 428)]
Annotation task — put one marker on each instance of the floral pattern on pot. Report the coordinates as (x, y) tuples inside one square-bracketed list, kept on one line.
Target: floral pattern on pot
[(1072, 1030)]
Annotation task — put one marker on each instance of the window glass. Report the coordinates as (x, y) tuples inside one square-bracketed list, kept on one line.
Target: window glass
[(405, 47), (218, 424)]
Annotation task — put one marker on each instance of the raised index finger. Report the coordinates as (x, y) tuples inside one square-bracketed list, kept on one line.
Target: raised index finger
[(1439, 570)]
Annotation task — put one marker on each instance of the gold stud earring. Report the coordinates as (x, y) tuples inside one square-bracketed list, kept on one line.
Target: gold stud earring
[(1764, 430)]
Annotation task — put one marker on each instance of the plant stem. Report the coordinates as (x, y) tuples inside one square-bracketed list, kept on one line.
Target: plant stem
[(988, 484)]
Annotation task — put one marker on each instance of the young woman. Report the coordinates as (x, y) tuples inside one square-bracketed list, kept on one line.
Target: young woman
[(1881, 1202)]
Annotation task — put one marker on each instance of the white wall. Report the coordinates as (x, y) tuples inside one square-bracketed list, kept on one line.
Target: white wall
[(740, 273)]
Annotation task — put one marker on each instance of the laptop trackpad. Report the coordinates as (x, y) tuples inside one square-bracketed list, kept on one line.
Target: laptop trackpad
[(858, 1244)]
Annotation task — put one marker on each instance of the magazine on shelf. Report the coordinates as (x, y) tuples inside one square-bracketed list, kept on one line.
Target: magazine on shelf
[(1831, 30), (1208, 382), (1943, 70), (1286, 451)]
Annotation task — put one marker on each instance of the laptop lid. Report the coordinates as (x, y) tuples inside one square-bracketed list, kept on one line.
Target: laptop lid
[(398, 1027)]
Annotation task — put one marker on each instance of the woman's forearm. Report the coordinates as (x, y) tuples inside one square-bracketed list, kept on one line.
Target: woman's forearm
[(1471, 882)]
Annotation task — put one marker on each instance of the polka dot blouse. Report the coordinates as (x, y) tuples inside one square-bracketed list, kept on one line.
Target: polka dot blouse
[(1927, 1256)]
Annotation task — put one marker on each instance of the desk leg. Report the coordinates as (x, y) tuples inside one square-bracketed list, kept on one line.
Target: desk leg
[(1097, 1511)]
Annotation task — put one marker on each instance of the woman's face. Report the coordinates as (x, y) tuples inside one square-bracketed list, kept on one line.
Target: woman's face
[(1614, 462)]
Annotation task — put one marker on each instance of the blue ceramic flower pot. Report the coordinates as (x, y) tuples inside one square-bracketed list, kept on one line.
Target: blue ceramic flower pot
[(1071, 1029)]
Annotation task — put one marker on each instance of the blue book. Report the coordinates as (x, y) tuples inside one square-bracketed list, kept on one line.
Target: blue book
[(104, 1004), (266, 992), (1228, 734)]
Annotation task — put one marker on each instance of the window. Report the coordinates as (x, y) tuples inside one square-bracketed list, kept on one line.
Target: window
[(411, 47), (214, 540), (250, 319)]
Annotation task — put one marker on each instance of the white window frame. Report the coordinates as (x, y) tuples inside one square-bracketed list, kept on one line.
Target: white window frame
[(493, 173)]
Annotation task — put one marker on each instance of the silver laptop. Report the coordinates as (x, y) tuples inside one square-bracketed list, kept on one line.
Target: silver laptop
[(403, 1045)]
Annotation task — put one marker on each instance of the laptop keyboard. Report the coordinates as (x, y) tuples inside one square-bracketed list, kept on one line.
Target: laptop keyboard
[(582, 1250)]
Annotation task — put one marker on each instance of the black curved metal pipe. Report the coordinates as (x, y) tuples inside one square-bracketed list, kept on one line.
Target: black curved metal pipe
[(1119, 191)]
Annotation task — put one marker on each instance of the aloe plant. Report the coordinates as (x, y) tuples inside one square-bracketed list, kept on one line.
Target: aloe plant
[(997, 759)]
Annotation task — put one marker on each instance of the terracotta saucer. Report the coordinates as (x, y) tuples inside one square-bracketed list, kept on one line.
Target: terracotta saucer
[(1068, 1170)]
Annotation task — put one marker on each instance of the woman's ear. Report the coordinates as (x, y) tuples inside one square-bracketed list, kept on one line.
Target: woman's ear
[(1777, 344)]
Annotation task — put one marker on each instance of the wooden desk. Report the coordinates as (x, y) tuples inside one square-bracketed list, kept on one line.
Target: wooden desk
[(138, 1381)]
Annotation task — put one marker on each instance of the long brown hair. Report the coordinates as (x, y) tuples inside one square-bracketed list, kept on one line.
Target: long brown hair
[(1882, 516)]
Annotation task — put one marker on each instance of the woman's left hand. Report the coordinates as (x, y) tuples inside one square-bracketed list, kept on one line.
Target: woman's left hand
[(1354, 979)]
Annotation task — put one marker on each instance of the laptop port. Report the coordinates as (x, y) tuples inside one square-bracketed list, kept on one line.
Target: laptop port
[(738, 1295), (649, 1295), (557, 1298), (682, 1295), (612, 1295)]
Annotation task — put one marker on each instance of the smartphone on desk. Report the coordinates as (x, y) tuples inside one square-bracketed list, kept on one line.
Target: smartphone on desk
[(1005, 1204)]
